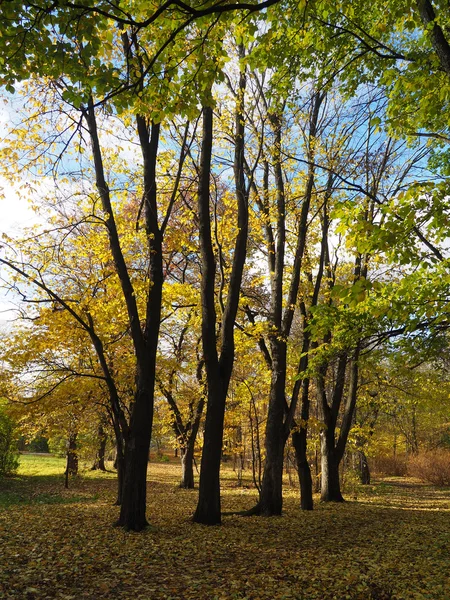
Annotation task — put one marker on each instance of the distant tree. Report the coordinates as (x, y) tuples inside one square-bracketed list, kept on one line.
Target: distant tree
[(9, 455)]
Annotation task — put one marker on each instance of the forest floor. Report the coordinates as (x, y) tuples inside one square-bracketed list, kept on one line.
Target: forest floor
[(390, 540)]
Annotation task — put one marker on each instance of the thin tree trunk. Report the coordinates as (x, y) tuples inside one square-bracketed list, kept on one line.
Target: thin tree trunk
[(278, 427), (186, 433), (304, 471), (364, 471), (187, 467), (440, 43), (331, 487), (134, 497), (218, 370), (99, 463), (72, 455), (271, 496), (300, 443), (72, 458), (120, 464)]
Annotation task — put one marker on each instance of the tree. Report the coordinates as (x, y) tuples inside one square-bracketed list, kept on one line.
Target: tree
[(8, 445), (180, 377)]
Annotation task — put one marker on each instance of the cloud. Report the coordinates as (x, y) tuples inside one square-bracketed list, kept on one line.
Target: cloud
[(15, 210)]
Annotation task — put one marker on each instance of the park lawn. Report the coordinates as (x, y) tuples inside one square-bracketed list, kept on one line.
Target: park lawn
[(391, 540)]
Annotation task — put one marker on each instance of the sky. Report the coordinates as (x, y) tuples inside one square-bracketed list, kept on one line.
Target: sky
[(15, 214), (15, 210)]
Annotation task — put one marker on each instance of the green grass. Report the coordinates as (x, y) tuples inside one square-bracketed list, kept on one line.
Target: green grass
[(40, 480), (49, 465), (44, 465)]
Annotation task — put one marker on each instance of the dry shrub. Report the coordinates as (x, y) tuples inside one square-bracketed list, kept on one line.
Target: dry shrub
[(433, 466), (389, 465)]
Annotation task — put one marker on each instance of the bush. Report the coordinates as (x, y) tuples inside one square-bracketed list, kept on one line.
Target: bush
[(394, 466), (9, 455), (433, 467), (38, 444)]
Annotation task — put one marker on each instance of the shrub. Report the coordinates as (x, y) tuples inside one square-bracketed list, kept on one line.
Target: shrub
[(9, 455), (389, 465), (433, 466), (38, 444)]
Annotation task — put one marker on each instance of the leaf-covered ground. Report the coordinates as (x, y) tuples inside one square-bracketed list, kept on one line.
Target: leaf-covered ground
[(390, 541)]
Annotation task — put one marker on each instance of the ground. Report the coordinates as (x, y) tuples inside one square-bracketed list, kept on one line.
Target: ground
[(390, 540)]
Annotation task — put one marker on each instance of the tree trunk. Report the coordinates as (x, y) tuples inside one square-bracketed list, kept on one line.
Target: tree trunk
[(271, 496), (134, 497), (364, 471), (300, 435), (437, 34), (330, 488), (120, 463), (208, 509), (278, 429), (137, 447), (218, 369), (187, 467), (99, 463), (145, 339), (72, 458), (304, 471)]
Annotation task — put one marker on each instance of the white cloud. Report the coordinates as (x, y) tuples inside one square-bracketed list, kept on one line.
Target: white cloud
[(16, 215), (15, 210)]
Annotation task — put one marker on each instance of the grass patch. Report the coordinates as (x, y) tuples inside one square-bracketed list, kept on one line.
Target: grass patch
[(40, 481), (43, 465)]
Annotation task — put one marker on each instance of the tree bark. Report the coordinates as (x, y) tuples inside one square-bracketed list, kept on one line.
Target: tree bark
[(280, 417), (304, 471), (72, 458), (134, 497), (72, 455), (120, 464), (300, 439), (271, 496), (333, 451), (438, 39), (331, 487), (364, 471), (99, 463), (187, 468), (137, 447), (208, 507), (218, 370), (145, 339)]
